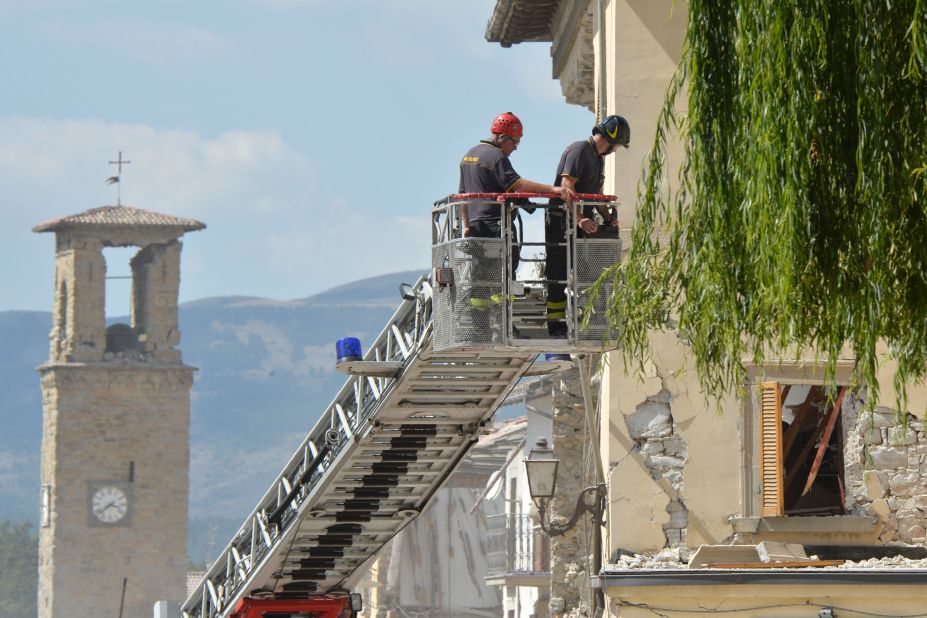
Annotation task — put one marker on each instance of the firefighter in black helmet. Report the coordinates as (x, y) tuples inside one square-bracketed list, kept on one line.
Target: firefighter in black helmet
[(581, 169)]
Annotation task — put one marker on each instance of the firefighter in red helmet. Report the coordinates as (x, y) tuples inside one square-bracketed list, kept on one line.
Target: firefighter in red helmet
[(486, 169)]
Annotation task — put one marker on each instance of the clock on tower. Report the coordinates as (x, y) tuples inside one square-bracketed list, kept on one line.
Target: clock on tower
[(109, 503)]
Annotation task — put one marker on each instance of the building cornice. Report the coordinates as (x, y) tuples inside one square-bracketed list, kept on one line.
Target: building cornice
[(521, 21)]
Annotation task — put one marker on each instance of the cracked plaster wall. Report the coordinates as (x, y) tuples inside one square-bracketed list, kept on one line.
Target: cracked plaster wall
[(673, 464)]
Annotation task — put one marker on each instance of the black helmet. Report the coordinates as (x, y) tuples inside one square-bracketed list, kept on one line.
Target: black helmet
[(615, 130)]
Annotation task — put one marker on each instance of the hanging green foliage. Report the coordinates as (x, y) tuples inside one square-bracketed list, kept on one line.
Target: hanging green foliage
[(798, 218)]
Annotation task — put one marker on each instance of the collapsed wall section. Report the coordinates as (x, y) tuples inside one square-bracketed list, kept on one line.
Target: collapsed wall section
[(886, 471)]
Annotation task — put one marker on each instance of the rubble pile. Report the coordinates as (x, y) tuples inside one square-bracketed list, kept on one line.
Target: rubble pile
[(893, 562), (678, 558)]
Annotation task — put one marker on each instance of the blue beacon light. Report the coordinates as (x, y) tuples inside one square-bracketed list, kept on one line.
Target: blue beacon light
[(348, 349)]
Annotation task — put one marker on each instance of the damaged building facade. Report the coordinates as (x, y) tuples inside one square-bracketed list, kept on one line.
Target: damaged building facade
[(793, 500)]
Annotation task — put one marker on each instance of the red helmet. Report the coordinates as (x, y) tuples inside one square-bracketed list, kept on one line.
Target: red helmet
[(507, 124)]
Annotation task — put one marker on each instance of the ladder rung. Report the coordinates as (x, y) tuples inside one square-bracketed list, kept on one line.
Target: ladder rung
[(433, 407), (459, 381), (454, 396)]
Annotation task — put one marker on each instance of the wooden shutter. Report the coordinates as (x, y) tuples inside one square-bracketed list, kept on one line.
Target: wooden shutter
[(771, 481)]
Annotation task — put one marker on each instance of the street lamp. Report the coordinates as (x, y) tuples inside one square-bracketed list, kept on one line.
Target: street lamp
[(541, 470)]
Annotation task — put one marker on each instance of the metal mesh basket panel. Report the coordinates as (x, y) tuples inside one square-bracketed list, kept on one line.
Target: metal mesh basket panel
[(470, 311), (593, 256)]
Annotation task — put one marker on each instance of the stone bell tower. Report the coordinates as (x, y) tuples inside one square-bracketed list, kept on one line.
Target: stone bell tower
[(116, 412)]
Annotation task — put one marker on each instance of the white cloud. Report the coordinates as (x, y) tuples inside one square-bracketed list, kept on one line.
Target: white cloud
[(271, 231), (158, 44), (237, 173)]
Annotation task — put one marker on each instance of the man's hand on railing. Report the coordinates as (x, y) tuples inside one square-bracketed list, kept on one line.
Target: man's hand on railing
[(587, 225), (566, 193)]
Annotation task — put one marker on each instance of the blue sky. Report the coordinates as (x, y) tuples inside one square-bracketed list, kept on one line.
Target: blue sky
[(311, 136)]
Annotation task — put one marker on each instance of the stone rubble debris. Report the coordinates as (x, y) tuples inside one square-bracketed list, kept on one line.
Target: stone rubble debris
[(678, 558)]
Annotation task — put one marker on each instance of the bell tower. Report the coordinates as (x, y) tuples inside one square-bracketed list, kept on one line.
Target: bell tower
[(116, 416)]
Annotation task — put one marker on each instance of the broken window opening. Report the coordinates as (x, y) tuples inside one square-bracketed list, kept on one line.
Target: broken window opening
[(120, 335), (802, 471)]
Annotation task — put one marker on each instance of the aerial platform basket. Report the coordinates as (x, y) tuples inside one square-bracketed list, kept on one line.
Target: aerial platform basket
[(479, 304)]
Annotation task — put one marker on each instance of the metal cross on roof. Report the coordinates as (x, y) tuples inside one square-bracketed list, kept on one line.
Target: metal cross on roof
[(119, 162)]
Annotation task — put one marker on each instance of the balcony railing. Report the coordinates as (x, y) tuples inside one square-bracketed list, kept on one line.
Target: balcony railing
[(516, 546)]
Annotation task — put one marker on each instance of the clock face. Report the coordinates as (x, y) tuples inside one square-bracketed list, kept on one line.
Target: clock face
[(109, 504)]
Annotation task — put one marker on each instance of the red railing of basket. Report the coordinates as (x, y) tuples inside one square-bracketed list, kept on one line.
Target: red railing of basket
[(584, 197)]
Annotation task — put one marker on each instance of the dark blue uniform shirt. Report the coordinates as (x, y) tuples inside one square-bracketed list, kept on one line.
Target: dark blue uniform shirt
[(486, 169), (585, 166)]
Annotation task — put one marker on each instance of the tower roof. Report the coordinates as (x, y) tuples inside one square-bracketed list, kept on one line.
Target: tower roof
[(119, 216)]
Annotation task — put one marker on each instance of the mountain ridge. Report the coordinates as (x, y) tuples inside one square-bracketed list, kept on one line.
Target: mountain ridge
[(266, 372)]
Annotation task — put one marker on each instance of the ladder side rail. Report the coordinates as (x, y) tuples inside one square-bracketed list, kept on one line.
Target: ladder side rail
[(403, 320), (267, 536), (344, 459), (235, 592), (230, 592)]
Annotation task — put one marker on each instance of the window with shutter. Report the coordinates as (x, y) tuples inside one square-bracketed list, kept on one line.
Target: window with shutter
[(801, 450)]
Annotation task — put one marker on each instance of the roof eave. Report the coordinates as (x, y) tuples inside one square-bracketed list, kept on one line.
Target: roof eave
[(521, 21), (60, 227), (119, 217)]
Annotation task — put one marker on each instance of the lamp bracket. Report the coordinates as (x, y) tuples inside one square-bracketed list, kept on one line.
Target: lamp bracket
[(591, 500)]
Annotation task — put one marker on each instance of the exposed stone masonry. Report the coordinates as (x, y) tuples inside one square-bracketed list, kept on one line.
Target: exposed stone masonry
[(652, 427), (569, 553), (886, 471)]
